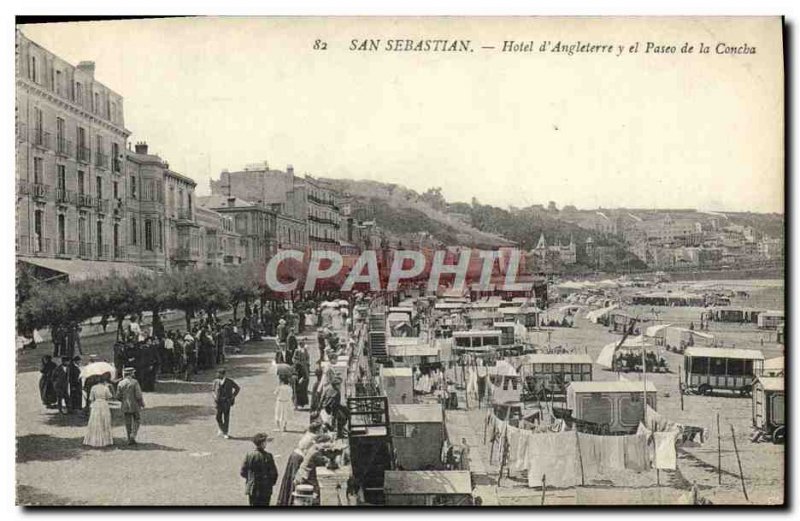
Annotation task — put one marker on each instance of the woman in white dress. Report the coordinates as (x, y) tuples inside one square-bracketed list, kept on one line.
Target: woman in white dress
[(99, 428)]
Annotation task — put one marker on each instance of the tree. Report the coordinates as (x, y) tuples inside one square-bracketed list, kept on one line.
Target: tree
[(242, 285)]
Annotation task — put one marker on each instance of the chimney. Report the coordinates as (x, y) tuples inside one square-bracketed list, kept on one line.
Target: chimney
[(290, 169), (141, 147), (231, 202), (87, 67)]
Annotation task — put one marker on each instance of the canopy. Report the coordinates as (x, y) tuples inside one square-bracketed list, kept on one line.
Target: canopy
[(594, 315), (654, 330), (720, 352), (606, 356), (77, 270)]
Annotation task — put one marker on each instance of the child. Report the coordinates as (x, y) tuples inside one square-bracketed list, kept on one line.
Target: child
[(283, 403)]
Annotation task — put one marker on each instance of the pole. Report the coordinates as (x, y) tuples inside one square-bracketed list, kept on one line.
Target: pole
[(544, 487), (580, 456), (719, 454), (680, 386), (739, 461)]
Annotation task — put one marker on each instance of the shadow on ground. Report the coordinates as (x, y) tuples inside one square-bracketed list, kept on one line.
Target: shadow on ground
[(32, 496), (168, 415)]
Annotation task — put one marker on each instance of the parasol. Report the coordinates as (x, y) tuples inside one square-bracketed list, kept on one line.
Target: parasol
[(283, 370), (98, 369)]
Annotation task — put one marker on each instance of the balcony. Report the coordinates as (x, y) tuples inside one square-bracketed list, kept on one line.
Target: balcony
[(185, 254), (39, 190), (84, 155), (185, 214), (63, 146), (65, 196), (66, 248), (27, 245), (85, 200), (41, 138), (101, 205), (101, 160), (102, 251), (119, 252), (85, 250)]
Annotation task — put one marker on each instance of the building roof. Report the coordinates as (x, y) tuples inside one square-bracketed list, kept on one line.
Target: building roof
[(395, 371), (221, 201), (416, 413), (771, 383), (610, 387), (720, 352), (412, 350), (476, 332), (410, 482), (547, 358), (77, 270)]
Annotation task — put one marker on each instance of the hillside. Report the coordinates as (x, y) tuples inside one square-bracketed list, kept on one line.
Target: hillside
[(401, 211)]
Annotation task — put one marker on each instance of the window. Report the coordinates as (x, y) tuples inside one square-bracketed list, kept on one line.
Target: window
[(134, 233), (61, 135), (38, 172), (402, 430), (96, 103), (62, 178), (160, 235), (81, 186), (99, 187), (133, 189), (113, 112), (99, 238), (717, 366), (736, 367), (33, 68), (58, 82), (115, 186), (148, 235), (115, 157), (78, 93)]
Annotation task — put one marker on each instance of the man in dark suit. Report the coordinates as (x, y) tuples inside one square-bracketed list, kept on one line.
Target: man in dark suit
[(224, 391), (75, 387), (60, 379), (260, 472)]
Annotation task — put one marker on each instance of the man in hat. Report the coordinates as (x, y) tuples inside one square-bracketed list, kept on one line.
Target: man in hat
[(260, 472), (60, 379), (224, 391), (129, 393), (75, 387), (331, 405)]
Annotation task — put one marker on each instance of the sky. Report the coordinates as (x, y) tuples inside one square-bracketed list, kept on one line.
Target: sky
[(638, 130)]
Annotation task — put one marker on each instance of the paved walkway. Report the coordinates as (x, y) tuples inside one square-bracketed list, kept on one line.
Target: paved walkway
[(179, 459)]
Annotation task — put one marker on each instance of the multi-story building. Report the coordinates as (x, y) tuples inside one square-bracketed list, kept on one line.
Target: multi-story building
[(256, 224), (309, 199), (291, 232), (221, 246), (148, 233), (70, 161)]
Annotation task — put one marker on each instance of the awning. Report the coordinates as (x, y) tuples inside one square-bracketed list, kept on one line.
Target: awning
[(78, 270), (606, 357)]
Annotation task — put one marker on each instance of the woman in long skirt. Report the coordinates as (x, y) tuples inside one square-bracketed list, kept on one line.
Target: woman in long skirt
[(283, 404), (314, 433), (46, 390), (99, 428)]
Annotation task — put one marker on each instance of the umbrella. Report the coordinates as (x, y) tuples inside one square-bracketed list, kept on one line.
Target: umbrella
[(98, 369), (343, 303), (283, 370)]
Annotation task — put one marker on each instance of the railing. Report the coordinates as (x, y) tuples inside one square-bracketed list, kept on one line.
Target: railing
[(100, 160), (27, 245), (40, 138), (119, 252), (85, 200), (63, 146), (85, 249), (84, 154), (102, 251), (40, 190), (65, 196), (66, 248), (101, 205)]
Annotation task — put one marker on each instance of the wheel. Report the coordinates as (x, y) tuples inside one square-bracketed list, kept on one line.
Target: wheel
[(779, 435), (704, 389)]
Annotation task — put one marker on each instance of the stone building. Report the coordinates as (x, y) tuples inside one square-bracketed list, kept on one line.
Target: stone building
[(70, 160), (256, 225)]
